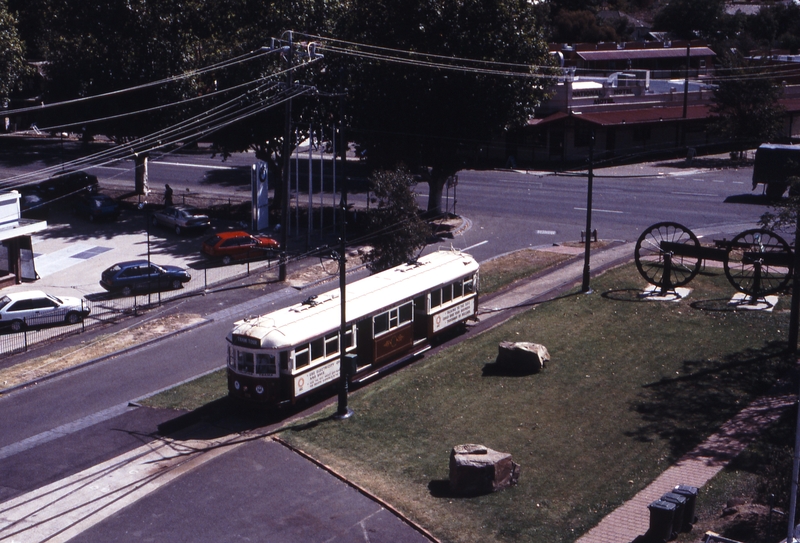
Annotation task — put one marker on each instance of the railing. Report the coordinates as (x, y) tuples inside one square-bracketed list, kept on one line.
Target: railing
[(107, 308)]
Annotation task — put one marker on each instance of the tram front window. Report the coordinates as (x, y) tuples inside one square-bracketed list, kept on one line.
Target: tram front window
[(265, 364), (244, 362)]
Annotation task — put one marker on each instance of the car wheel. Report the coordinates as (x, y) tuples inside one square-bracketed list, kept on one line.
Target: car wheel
[(226, 259), (177, 229), (127, 291), (72, 318), (176, 284), (17, 326)]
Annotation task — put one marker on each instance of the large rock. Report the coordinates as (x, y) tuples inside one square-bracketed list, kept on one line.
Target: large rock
[(475, 469), (522, 356)]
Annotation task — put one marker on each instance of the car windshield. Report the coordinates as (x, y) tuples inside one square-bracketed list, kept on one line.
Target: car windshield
[(56, 300), (4, 301), (113, 269)]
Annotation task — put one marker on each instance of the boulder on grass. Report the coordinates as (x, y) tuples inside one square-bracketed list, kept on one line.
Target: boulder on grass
[(475, 469), (522, 356)]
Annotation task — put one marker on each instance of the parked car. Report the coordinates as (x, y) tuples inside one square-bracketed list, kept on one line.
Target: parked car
[(97, 207), (181, 219), (238, 245), (19, 310), (37, 197), (139, 275)]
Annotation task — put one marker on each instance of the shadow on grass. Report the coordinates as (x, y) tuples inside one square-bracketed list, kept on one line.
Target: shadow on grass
[(624, 295), (684, 410), (494, 369)]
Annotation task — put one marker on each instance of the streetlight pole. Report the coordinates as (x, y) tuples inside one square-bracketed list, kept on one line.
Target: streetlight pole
[(588, 246)]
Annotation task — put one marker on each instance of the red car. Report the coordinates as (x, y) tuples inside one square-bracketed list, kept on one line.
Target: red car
[(239, 245)]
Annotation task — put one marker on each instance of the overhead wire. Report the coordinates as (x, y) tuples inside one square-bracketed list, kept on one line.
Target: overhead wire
[(171, 79)]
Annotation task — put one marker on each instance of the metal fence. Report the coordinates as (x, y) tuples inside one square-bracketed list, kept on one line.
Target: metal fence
[(108, 308)]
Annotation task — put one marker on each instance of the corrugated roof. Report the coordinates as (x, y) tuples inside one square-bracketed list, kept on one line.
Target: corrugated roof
[(637, 54)]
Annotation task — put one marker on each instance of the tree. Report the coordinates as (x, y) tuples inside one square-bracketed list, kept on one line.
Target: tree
[(12, 54), (746, 105), (435, 120), (397, 228), (580, 26), (691, 18)]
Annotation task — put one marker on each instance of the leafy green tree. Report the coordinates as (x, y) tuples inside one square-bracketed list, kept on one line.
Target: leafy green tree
[(580, 26), (12, 54), (691, 18), (398, 231), (433, 119), (746, 105)]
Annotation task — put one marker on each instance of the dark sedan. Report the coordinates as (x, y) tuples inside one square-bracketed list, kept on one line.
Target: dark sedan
[(139, 275), (97, 207)]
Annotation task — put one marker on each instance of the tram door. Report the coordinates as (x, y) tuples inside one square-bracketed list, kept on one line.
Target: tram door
[(420, 318)]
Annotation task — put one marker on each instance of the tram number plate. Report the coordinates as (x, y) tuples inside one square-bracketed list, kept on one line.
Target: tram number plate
[(316, 377), (454, 314)]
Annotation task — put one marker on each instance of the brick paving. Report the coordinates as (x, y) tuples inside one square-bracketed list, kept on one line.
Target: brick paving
[(632, 519)]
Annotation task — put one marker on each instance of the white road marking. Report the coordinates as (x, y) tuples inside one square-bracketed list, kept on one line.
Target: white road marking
[(595, 210), (183, 164)]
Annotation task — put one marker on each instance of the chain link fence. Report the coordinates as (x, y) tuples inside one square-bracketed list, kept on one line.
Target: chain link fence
[(107, 309)]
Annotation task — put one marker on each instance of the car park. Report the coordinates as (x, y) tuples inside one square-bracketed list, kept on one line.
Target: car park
[(95, 207), (142, 276), (20, 310), (181, 219), (238, 245)]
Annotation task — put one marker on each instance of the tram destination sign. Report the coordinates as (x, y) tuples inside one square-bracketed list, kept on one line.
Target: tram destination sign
[(316, 377), (454, 314)]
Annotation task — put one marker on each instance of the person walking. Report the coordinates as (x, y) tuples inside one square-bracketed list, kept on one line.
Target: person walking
[(167, 195)]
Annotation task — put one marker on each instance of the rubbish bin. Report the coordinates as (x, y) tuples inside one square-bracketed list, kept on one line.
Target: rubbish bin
[(691, 499), (680, 511), (662, 514)]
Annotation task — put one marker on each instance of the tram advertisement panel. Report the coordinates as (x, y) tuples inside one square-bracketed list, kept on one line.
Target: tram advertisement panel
[(454, 314), (316, 377)]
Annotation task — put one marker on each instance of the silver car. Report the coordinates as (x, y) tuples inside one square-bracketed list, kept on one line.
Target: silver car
[(19, 310), (181, 219)]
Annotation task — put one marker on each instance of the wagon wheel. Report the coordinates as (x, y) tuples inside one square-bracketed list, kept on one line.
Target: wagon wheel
[(651, 258), (759, 263)]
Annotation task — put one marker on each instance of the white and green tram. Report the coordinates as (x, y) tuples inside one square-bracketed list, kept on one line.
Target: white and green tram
[(281, 356)]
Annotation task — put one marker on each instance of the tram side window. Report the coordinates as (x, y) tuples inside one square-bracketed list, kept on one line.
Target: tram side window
[(332, 343), (318, 349), (436, 298), (301, 359), (393, 318), (469, 285), (244, 362), (265, 364)]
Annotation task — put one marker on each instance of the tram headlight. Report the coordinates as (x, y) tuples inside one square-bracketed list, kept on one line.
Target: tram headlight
[(236, 385), (260, 389)]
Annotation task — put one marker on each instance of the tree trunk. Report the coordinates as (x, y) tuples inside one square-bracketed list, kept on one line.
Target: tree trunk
[(435, 190)]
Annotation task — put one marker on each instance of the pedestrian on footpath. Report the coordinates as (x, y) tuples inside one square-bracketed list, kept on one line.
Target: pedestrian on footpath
[(167, 195)]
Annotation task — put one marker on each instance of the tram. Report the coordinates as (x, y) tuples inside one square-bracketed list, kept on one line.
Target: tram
[(276, 358)]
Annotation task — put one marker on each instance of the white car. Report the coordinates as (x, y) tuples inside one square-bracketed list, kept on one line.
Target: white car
[(19, 310), (181, 219)]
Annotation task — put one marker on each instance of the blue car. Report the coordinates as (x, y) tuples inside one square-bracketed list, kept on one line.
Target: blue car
[(97, 207), (138, 275)]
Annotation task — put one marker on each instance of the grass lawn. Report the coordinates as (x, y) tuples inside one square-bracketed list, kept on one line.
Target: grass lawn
[(631, 386)]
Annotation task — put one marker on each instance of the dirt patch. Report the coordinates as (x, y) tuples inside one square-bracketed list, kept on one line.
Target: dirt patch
[(746, 522), (39, 367), (326, 268)]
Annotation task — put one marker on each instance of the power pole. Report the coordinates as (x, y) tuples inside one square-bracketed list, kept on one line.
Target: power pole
[(287, 134), (343, 411), (588, 247)]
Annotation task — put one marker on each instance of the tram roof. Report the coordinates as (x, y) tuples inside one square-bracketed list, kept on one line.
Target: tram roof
[(315, 317)]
